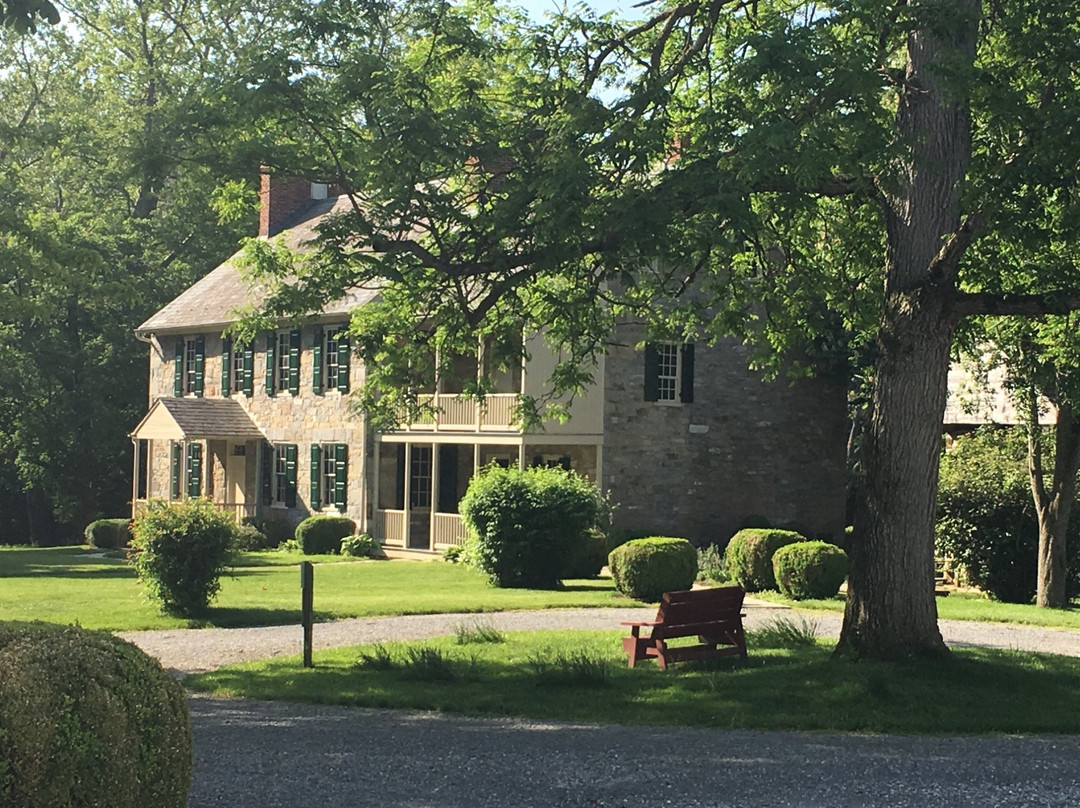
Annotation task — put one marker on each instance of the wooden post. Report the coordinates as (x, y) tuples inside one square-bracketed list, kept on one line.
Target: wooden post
[(307, 579)]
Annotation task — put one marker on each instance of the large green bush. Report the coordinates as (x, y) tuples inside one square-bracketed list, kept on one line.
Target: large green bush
[(748, 557), (87, 719), (108, 534), (322, 535), (644, 569), (986, 517), (809, 569), (182, 549), (523, 527)]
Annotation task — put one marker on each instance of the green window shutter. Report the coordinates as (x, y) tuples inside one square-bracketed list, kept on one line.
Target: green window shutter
[(290, 475), (343, 361), (249, 370), (271, 365), (200, 363), (341, 475), (194, 469), (316, 476), (686, 393), (226, 365), (178, 369), (316, 361), (266, 470), (652, 373), (294, 362), (174, 477)]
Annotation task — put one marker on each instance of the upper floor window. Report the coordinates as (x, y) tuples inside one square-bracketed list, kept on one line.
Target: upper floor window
[(237, 368), (188, 363), (330, 360), (283, 362), (669, 372)]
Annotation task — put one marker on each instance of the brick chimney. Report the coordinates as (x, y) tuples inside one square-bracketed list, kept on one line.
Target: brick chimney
[(279, 196)]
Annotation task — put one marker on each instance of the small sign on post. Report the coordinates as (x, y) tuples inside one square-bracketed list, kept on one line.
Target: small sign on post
[(307, 586)]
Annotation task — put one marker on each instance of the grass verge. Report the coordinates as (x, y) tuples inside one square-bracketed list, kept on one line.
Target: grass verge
[(76, 585), (977, 691), (959, 606)]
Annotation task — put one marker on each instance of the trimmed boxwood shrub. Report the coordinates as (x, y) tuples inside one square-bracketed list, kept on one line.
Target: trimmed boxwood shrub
[(88, 719), (748, 557), (108, 534), (322, 535), (809, 569), (182, 549), (644, 569), (588, 556), (524, 525)]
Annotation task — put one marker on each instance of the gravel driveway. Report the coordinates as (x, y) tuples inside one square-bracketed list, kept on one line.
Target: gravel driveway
[(252, 754)]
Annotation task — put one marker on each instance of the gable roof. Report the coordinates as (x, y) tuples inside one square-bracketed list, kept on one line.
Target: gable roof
[(213, 301), (193, 418)]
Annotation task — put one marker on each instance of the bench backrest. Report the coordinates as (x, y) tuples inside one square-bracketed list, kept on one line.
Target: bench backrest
[(682, 612)]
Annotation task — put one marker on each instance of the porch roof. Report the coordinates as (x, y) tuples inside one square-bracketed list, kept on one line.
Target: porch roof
[(196, 418)]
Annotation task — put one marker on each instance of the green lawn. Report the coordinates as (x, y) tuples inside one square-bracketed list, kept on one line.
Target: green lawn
[(69, 585), (978, 691), (960, 606)]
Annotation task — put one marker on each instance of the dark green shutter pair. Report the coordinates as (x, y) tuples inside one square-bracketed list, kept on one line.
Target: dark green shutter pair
[(339, 496), (652, 373), (341, 379), (294, 362), (193, 466), (197, 371), (247, 381)]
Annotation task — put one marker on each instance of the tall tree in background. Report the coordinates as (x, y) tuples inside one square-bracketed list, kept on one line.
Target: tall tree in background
[(834, 165), (107, 181)]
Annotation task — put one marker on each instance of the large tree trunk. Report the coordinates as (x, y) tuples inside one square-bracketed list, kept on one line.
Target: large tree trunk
[(1054, 506), (891, 609)]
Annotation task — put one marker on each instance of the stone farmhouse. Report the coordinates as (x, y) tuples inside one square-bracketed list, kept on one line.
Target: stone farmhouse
[(686, 440)]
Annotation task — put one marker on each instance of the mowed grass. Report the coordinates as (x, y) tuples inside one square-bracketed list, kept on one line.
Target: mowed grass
[(960, 606), (72, 585), (977, 691)]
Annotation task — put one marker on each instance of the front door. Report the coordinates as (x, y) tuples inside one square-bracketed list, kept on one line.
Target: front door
[(236, 476)]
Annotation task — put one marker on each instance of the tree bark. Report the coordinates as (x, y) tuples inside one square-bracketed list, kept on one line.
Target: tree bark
[(891, 610), (1054, 506)]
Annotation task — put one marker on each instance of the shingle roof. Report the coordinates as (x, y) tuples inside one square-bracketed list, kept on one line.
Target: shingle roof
[(215, 299), (210, 418)]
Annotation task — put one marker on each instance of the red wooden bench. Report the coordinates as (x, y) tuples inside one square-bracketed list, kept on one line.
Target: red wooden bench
[(714, 616)]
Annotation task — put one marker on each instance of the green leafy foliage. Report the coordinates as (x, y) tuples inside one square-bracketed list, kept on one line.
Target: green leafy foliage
[(108, 534), (88, 719), (749, 554), (181, 551), (360, 545), (809, 569), (524, 526), (644, 569), (986, 517), (321, 535)]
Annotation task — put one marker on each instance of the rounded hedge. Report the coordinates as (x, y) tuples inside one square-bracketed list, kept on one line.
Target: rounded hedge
[(322, 535), (748, 557), (523, 526), (88, 719), (182, 549), (587, 557), (644, 569), (108, 534), (810, 569)]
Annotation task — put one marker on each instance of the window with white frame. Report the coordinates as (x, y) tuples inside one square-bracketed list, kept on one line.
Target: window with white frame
[(669, 372), (281, 372)]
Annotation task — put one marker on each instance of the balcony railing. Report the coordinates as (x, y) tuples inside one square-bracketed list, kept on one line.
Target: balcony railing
[(462, 413)]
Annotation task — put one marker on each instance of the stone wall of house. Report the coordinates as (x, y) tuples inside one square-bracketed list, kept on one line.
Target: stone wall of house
[(303, 419), (742, 448)]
